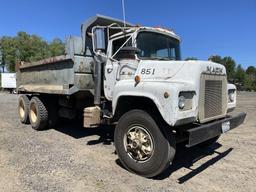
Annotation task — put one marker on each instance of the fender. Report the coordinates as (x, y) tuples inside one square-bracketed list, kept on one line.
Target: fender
[(155, 90)]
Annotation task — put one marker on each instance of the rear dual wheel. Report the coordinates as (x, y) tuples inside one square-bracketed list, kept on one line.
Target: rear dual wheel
[(23, 109), (38, 114)]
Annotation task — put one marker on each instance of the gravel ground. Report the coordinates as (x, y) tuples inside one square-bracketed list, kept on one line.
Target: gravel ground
[(71, 158)]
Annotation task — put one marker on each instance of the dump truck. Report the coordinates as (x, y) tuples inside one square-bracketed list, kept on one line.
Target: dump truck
[(131, 77)]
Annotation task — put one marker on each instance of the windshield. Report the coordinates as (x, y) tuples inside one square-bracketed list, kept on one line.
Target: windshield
[(158, 46)]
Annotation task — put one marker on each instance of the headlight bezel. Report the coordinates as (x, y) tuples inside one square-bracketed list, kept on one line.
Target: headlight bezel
[(186, 100)]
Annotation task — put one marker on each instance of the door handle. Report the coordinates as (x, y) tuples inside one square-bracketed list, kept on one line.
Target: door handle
[(109, 70)]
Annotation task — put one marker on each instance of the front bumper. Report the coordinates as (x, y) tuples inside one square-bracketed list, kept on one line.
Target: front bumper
[(207, 131)]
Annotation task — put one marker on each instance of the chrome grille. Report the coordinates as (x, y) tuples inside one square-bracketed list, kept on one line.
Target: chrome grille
[(213, 97)]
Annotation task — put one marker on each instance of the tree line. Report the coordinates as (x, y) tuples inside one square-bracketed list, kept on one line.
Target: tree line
[(244, 79), (27, 48)]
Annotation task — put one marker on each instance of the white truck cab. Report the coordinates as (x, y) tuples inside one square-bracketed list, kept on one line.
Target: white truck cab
[(144, 74), (178, 88)]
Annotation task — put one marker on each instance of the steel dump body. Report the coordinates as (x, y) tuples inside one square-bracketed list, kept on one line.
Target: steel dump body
[(57, 75), (66, 74)]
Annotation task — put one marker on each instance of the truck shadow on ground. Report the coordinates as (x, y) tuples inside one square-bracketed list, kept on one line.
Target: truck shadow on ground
[(185, 157), (77, 131)]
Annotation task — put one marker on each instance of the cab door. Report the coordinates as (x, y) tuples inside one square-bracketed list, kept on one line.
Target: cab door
[(112, 66)]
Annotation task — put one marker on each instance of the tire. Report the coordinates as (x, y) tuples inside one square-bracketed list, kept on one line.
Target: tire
[(209, 142), (23, 109), (38, 114), (162, 145)]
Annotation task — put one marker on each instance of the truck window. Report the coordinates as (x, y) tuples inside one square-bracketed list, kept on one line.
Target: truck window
[(118, 43), (158, 46)]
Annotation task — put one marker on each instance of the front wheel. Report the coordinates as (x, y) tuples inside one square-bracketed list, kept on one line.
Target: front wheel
[(142, 146)]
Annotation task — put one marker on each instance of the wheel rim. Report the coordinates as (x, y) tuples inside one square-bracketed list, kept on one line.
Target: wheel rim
[(21, 109), (33, 113), (139, 144)]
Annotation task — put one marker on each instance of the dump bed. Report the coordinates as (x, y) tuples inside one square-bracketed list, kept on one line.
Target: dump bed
[(57, 75), (65, 74)]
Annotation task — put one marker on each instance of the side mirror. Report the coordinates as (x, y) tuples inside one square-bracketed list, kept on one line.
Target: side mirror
[(99, 39)]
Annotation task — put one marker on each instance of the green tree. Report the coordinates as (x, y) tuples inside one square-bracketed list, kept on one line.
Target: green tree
[(251, 70), (56, 47), (28, 48), (230, 65), (215, 58), (248, 84), (228, 62), (240, 75), (9, 50), (251, 78)]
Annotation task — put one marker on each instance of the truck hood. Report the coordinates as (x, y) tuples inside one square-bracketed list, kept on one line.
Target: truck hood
[(180, 71)]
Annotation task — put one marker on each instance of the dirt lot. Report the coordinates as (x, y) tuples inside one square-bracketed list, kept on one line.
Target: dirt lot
[(70, 158)]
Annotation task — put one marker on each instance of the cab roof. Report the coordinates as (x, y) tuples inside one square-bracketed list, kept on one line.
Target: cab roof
[(152, 29)]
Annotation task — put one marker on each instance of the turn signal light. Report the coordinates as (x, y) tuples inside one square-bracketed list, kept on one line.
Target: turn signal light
[(137, 79)]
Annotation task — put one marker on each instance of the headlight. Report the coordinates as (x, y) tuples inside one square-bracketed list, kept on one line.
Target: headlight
[(231, 96), (185, 100), (181, 102)]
